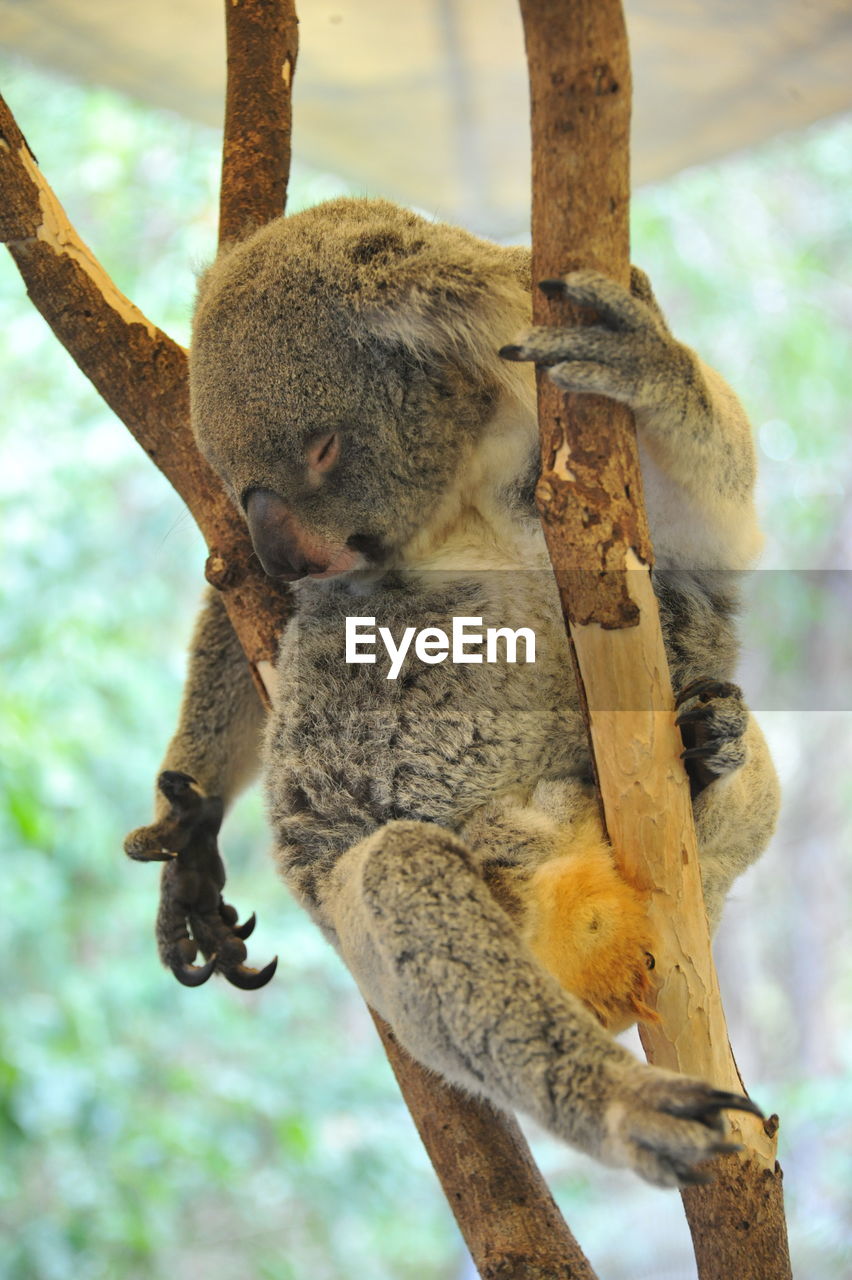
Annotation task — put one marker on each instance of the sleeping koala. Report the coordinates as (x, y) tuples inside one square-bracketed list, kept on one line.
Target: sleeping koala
[(349, 387)]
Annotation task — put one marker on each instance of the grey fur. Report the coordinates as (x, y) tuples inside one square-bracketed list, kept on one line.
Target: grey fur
[(407, 815)]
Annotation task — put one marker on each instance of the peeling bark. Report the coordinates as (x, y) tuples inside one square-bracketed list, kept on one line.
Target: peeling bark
[(590, 500)]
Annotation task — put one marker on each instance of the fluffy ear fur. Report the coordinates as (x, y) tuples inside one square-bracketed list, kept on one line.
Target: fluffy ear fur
[(438, 290), (433, 288)]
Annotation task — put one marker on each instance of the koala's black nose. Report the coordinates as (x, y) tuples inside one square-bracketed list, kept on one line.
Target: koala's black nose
[(274, 536)]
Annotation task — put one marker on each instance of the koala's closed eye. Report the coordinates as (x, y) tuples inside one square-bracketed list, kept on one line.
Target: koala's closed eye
[(323, 453)]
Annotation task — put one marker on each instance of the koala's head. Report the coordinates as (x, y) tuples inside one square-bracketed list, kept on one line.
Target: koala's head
[(343, 370)]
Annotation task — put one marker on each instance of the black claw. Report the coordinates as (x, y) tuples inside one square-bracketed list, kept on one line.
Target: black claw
[(700, 753), (734, 1102), (706, 1107), (510, 352), (693, 1177), (694, 690), (194, 975), (701, 712), (552, 288), (707, 688), (247, 929), (251, 979), (152, 855)]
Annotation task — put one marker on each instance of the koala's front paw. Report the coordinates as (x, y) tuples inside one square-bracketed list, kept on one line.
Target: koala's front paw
[(630, 356), (664, 1126), (712, 724), (193, 914)]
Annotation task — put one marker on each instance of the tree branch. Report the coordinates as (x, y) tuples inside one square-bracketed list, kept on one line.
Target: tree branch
[(504, 1209), (263, 42), (591, 505), (141, 374), (501, 1202)]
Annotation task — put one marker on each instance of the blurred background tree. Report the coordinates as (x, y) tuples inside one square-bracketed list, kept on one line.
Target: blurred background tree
[(148, 1130)]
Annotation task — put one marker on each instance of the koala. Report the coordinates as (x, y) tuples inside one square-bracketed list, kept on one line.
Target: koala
[(359, 384)]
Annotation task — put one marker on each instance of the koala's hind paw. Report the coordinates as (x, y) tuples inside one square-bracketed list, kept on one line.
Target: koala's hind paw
[(193, 915), (665, 1126), (712, 723)]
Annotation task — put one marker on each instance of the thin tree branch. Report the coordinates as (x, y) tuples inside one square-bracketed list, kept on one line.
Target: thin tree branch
[(590, 501), (500, 1200), (263, 42)]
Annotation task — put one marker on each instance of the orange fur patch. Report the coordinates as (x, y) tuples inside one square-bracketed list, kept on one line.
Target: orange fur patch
[(589, 928)]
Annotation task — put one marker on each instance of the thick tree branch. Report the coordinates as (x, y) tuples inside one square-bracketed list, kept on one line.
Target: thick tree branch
[(503, 1207), (141, 374), (500, 1200), (590, 500)]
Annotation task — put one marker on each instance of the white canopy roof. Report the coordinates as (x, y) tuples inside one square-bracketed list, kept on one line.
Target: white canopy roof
[(426, 100)]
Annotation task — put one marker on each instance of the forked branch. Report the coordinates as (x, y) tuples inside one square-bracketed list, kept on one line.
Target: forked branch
[(503, 1207)]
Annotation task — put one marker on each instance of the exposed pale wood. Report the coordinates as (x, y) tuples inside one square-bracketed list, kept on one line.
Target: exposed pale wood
[(590, 500)]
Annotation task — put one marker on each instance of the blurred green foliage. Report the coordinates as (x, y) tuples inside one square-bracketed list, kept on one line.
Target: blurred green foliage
[(148, 1130)]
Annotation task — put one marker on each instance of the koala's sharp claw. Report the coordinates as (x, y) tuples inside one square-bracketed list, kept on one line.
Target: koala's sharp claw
[(149, 855), (193, 914), (194, 975), (698, 753), (246, 929), (707, 688), (250, 979), (511, 352), (706, 1106), (552, 288), (736, 1102), (701, 712)]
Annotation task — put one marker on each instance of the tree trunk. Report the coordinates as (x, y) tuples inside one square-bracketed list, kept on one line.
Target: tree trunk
[(591, 505)]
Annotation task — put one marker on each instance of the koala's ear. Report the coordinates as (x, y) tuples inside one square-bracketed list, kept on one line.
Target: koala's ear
[(440, 292)]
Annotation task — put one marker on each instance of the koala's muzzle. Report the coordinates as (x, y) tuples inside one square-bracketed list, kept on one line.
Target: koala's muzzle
[(282, 544)]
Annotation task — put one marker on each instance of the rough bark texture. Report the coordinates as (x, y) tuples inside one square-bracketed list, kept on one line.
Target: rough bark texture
[(737, 1222), (581, 184), (142, 374), (263, 41), (507, 1215), (590, 499)]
